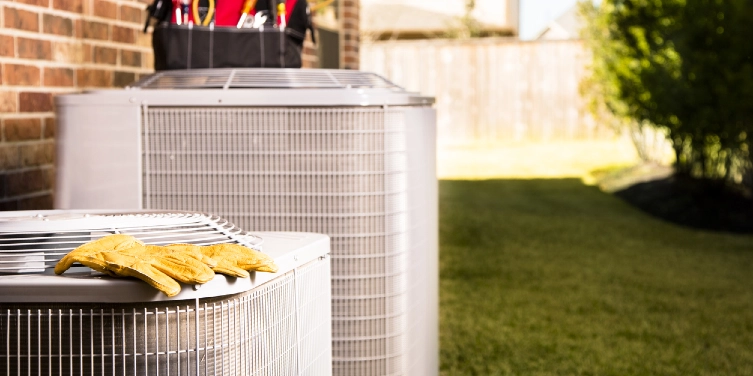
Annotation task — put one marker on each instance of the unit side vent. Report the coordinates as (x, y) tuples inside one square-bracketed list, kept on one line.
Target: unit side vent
[(280, 328), (337, 171)]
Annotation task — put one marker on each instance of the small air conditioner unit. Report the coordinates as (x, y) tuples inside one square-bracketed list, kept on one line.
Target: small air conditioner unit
[(343, 153), (85, 323)]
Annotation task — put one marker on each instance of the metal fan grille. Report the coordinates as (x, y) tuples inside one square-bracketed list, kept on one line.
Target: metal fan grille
[(38, 251), (281, 328), (262, 78), (339, 171)]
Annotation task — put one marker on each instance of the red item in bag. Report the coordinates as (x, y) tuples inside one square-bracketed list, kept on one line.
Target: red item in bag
[(289, 6), (228, 12)]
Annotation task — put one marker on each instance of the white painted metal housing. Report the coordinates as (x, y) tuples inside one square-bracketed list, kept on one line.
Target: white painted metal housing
[(343, 153), (86, 323)]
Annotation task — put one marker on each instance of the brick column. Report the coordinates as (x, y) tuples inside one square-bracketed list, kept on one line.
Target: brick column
[(309, 58), (50, 47), (349, 34)]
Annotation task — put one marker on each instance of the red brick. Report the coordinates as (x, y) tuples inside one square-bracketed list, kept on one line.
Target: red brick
[(8, 205), (35, 102), (123, 79), (76, 6), (57, 25), (147, 60), (50, 127), (37, 154), (131, 14), (21, 19), (105, 55), (42, 202), (78, 28), (22, 129), (8, 101), (7, 46), (48, 149), (10, 157), (34, 49), (94, 30), (93, 78), (130, 58), (41, 3), (21, 75), (123, 34), (26, 182), (105, 9), (68, 52), (58, 77), (88, 52)]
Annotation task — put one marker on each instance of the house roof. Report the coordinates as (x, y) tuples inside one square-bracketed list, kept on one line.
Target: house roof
[(400, 19), (566, 26)]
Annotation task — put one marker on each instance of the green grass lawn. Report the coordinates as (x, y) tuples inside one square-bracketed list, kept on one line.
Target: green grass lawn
[(552, 277)]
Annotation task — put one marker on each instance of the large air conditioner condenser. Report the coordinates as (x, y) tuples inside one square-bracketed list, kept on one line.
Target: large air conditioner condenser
[(343, 153), (85, 323)]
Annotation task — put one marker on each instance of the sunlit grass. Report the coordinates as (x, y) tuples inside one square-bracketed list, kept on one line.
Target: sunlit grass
[(523, 160), (553, 277)]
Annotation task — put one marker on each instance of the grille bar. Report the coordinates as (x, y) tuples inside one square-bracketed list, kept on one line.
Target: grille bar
[(36, 251), (262, 78)]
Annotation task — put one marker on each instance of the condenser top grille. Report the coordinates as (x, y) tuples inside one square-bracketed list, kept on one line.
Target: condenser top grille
[(263, 78), (32, 242)]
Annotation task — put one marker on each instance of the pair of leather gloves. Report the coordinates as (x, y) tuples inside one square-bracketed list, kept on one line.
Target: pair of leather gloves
[(161, 266)]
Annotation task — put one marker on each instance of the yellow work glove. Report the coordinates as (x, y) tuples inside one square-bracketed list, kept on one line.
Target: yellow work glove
[(235, 260), (161, 267), (88, 254)]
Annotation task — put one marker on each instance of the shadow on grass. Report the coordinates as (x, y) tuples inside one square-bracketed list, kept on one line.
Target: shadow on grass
[(553, 277)]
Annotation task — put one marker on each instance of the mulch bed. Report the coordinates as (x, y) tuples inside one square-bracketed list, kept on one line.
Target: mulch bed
[(693, 203)]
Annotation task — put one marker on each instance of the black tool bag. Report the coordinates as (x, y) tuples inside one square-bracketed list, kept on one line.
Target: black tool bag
[(197, 47)]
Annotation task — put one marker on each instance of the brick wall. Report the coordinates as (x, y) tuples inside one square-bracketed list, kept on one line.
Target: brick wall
[(349, 34), (50, 47)]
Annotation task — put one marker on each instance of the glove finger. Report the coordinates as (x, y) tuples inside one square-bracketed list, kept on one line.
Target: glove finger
[(193, 251), (148, 274), (106, 243), (94, 262), (64, 264), (186, 270), (269, 268), (230, 270), (240, 257), (258, 261), (112, 242)]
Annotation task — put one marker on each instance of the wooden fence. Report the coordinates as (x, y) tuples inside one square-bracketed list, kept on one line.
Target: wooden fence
[(492, 91)]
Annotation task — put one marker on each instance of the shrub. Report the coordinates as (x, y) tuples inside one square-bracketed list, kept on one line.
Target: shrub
[(685, 67)]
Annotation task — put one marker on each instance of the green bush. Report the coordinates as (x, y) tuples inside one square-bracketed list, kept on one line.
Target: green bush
[(685, 66)]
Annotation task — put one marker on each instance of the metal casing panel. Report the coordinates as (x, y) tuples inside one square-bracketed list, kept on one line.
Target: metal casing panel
[(244, 97), (423, 258), (98, 154)]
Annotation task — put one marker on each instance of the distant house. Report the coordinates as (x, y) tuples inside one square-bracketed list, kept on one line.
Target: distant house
[(567, 26), (414, 19)]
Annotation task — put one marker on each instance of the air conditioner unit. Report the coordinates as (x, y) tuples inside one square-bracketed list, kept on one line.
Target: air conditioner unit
[(85, 323), (344, 153)]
